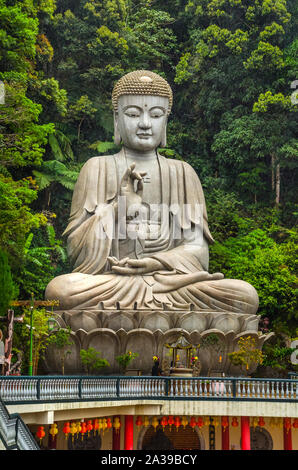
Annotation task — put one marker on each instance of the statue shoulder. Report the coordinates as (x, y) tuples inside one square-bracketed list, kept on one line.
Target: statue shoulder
[(183, 166), (94, 163)]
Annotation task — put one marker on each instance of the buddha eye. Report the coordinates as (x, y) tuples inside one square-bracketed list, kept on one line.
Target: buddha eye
[(133, 113), (156, 113)]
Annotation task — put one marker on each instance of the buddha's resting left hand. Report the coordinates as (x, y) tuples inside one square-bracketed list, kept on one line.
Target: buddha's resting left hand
[(135, 266)]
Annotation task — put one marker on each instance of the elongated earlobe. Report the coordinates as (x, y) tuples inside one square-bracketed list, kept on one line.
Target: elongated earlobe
[(163, 142), (117, 136)]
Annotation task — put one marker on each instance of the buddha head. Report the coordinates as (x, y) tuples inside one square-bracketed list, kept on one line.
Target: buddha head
[(142, 102)]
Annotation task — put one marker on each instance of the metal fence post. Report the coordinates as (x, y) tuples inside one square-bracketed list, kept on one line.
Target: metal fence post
[(80, 388), (38, 389), (234, 387), (167, 387)]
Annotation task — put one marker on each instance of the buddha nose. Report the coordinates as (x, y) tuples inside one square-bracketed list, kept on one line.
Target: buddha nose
[(145, 122)]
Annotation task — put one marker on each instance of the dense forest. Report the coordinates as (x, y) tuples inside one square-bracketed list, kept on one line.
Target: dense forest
[(233, 68)]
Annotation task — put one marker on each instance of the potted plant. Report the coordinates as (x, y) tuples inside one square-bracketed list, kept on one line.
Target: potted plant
[(92, 360), (125, 359), (247, 355)]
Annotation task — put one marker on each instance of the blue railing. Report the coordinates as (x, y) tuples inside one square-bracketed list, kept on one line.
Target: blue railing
[(45, 389), (293, 375)]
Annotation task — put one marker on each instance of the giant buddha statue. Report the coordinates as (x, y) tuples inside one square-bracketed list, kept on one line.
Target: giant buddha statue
[(148, 265), (138, 231)]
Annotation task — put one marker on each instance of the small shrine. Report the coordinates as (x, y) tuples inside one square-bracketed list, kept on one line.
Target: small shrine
[(182, 353)]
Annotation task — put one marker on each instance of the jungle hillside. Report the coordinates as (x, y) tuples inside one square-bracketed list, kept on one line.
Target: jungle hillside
[(233, 68)]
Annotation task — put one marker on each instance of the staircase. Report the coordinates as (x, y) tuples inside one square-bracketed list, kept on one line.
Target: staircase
[(14, 434)]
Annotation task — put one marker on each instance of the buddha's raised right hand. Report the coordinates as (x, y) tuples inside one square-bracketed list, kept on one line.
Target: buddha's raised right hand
[(133, 198)]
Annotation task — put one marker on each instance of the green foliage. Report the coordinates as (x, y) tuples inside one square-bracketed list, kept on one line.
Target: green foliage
[(54, 171), (150, 39), (22, 139), (267, 100), (41, 337), (278, 350), (39, 261), (223, 209), (277, 357), (16, 216), (17, 40), (235, 64), (269, 266), (92, 360), (247, 354), (8, 290), (103, 147), (60, 146), (61, 340), (210, 341), (80, 111), (125, 359)]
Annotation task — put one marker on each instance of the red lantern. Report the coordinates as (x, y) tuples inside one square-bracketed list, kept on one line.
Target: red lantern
[(109, 423), (192, 423), (83, 428), (164, 422), (287, 424), (139, 421), (66, 429), (224, 422), (40, 433), (96, 425), (261, 421), (177, 422), (295, 423), (171, 422), (200, 422), (89, 426), (234, 422)]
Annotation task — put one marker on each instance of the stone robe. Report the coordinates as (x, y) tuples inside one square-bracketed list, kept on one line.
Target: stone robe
[(91, 240)]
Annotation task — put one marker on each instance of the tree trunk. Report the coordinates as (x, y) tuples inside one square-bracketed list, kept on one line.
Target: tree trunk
[(275, 179), (277, 186), (79, 128), (8, 342), (272, 172)]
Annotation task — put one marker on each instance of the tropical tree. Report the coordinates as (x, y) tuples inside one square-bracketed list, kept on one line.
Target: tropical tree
[(256, 257), (92, 360), (232, 64), (62, 342), (247, 355), (8, 290), (39, 262), (40, 335)]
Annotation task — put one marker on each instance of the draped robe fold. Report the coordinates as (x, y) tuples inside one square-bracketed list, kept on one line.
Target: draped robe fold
[(92, 283)]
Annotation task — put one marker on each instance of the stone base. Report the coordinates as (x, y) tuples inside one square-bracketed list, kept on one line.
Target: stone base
[(181, 372), (114, 332)]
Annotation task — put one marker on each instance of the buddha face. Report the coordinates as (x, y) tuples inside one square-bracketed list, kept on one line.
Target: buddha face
[(141, 121)]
